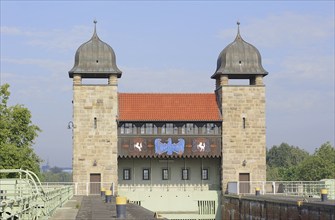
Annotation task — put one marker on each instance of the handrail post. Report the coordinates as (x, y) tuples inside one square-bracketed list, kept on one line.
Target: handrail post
[(76, 188), (263, 186)]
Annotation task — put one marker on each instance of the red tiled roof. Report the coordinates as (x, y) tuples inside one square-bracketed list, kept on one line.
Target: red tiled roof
[(168, 107)]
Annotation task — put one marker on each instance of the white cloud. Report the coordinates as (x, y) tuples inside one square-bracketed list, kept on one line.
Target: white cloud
[(165, 80), (36, 78), (315, 68), (284, 29), (45, 63), (54, 39), (5, 30)]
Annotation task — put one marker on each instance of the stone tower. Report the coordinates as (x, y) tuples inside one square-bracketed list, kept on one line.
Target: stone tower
[(95, 109), (243, 113)]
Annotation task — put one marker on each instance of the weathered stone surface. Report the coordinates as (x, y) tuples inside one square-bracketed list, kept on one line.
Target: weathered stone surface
[(243, 132), (95, 132)]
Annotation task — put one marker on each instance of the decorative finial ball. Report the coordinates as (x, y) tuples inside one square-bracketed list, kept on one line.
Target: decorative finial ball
[(95, 21), (238, 23)]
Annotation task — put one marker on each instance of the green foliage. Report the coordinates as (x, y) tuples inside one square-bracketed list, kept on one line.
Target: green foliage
[(55, 174), (285, 156), (289, 163), (314, 168), (17, 135), (56, 170), (326, 152)]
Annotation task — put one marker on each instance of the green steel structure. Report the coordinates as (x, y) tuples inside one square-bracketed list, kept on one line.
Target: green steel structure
[(23, 197)]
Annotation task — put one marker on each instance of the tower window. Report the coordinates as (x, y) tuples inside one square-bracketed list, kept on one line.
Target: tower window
[(240, 62), (243, 122), (95, 123), (97, 61)]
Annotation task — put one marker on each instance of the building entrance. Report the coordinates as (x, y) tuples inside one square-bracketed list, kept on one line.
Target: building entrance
[(244, 179), (95, 183)]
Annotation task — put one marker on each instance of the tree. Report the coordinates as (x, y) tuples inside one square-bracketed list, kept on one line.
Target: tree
[(56, 170), (17, 135), (289, 163), (314, 169), (326, 152), (285, 156), (319, 166), (56, 174)]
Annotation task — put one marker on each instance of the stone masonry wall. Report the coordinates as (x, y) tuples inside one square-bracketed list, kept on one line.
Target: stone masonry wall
[(95, 108), (243, 143)]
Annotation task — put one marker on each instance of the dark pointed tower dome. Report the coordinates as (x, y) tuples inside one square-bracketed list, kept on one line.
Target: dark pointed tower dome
[(239, 60), (95, 59)]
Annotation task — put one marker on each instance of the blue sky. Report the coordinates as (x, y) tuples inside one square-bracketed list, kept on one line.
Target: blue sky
[(172, 46)]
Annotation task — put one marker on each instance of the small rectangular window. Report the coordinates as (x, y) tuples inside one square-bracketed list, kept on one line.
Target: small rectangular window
[(204, 174), (183, 129), (146, 174), (210, 128), (195, 129), (189, 128), (185, 174), (165, 174), (169, 128), (122, 129), (148, 128), (95, 123), (204, 129), (126, 174), (143, 129), (128, 128)]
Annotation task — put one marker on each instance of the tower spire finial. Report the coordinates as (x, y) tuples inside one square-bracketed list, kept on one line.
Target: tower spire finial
[(238, 29), (95, 25)]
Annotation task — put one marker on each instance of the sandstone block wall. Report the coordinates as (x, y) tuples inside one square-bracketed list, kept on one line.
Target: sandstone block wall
[(243, 132), (95, 132)]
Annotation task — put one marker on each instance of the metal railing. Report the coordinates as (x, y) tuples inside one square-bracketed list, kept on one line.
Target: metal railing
[(83, 188), (89, 188), (167, 187), (288, 188), (24, 197), (291, 188)]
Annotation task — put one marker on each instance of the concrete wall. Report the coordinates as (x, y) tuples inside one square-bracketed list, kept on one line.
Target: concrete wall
[(175, 204), (175, 167)]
